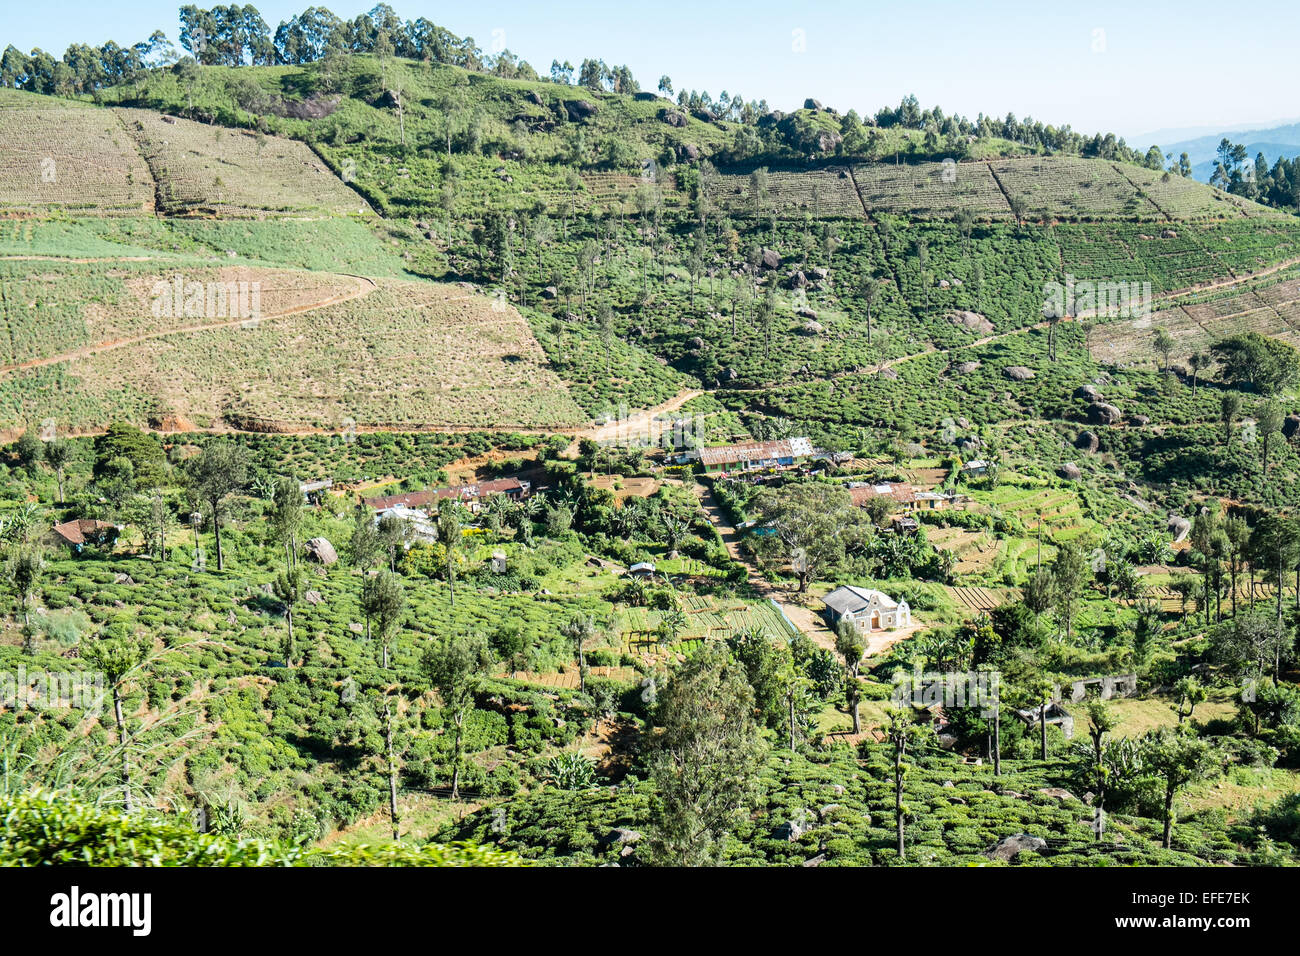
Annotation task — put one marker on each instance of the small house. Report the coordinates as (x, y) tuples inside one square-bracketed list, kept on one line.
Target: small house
[(313, 492), (753, 456), (642, 569), (975, 468), (869, 609), (80, 532)]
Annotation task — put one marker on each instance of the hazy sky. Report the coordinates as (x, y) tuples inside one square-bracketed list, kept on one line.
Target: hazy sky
[(1129, 67)]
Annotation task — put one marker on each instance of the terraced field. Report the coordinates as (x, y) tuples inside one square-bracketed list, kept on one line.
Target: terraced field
[(407, 355), (55, 308), (1178, 197), (789, 194), (931, 190), (61, 156), (211, 170), (1066, 186), (1271, 310)]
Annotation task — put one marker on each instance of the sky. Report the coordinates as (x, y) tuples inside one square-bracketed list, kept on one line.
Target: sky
[(1134, 68)]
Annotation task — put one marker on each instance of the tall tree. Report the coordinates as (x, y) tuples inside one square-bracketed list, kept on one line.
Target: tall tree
[(214, 474), (57, 453), (288, 587), (118, 654), (704, 759), (902, 733), (456, 667), (1101, 721), (850, 646), (1177, 759)]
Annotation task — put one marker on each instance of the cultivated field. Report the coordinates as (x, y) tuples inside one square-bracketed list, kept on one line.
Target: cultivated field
[(1066, 186), (1273, 310), (922, 190), (54, 308), (821, 193), (405, 355), (212, 170), (67, 157)]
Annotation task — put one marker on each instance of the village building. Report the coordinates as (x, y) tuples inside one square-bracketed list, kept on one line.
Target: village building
[(472, 495), (313, 492), (80, 532), (753, 456), (905, 497), (975, 468), (869, 609), (422, 526)]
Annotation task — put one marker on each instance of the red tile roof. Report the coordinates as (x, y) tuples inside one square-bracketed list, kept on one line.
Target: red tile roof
[(77, 530)]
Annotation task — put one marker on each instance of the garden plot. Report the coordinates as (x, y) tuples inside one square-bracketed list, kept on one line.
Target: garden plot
[(922, 190), (822, 193), (1064, 186), (409, 355), (982, 599), (706, 619), (78, 159), (232, 172)]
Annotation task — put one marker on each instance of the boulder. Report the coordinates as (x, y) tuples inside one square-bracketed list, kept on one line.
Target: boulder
[(1291, 426), (1088, 393), (1008, 848), (1168, 234), (706, 115), (770, 260), (797, 280), (1056, 793), (1179, 527), (321, 551), (812, 104), (688, 153), (790, 831), (532, 96), (1087, 441), (888, 374), (971, 322), (828, 140), (969, 443), (674, 118), (1069, 471), (812, 328), (1018, 373), (620, 836), (965, 368), (313, 597), (1100, 413), (580, 109), (550, 292), (820, 273), (1141, 419)]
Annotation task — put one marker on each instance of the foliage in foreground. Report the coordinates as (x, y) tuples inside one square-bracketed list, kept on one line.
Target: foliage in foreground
[(48, 829)]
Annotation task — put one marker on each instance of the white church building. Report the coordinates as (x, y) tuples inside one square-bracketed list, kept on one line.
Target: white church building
[(870, 610)]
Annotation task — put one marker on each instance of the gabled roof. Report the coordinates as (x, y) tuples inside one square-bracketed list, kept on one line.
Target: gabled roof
[(756, 451), (80, 530), (861, 494), (849, 599)]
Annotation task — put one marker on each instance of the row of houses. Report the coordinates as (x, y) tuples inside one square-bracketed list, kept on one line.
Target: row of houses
[(474, 495)]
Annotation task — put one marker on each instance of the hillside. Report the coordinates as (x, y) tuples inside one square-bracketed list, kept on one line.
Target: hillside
[(426, 456)]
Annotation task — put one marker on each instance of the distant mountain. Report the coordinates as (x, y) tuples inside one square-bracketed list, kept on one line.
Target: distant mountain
[(1273, 142)]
